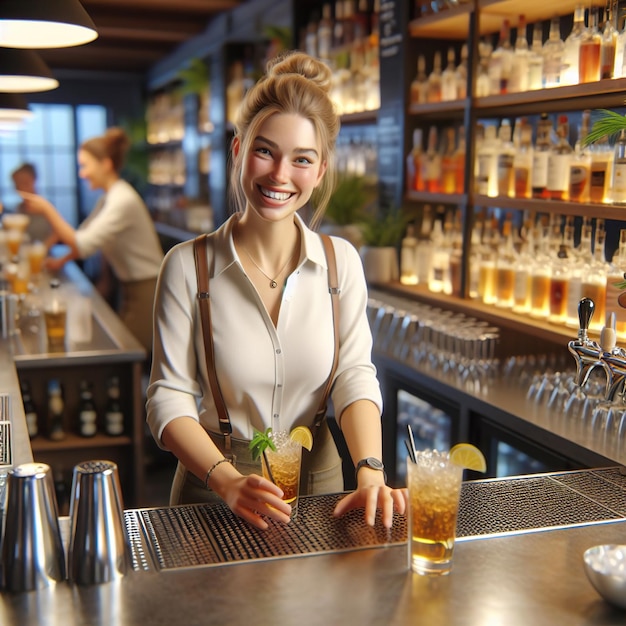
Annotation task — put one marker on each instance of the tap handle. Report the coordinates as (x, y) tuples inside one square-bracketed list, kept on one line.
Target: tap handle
[(586, 308)]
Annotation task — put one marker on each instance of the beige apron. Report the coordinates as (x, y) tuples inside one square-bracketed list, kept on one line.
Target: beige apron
[(137, 299), (321, 470)]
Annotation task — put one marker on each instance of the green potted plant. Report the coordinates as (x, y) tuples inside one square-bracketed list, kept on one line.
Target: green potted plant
[(382, 233), (346, 208)]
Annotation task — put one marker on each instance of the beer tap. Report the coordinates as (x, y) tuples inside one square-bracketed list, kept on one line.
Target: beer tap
[(586, 352), (614, 360)]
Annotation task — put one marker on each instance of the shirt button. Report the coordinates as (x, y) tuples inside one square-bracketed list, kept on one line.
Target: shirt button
[(278, 351), (276, 415), (279, 385)]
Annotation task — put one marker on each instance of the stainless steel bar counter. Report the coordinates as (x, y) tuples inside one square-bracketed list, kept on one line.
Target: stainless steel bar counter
[(347, 574)]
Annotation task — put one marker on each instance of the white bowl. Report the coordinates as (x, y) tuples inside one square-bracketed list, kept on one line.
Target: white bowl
[(605, 567)]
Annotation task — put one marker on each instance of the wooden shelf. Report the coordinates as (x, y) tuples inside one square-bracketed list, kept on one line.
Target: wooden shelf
[(362, 117), (449, 24), (437, 198), (608, 211), (440, 110), (503, 318), (72, 442), (603, 93)]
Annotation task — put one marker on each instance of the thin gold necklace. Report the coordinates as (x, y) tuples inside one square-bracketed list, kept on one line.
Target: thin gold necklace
[(273, 283)]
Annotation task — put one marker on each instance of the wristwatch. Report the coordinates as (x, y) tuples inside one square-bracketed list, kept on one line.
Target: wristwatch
[(371, 462)]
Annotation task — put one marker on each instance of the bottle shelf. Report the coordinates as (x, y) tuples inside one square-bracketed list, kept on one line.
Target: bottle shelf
[(607, 211), (437, 198), (503, 318), (72, 442), (450, 24), (362, 117), (440, 110), (569, 97)]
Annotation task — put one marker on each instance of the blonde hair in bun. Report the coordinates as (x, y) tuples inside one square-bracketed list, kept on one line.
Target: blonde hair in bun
[(295, 83)]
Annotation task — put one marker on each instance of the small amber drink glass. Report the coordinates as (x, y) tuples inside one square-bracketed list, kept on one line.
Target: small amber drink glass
[(14, 241), (284, 467), (36, 255), (434, 484)]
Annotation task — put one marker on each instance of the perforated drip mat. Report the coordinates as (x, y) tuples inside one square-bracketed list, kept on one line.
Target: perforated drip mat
[(204, 535)]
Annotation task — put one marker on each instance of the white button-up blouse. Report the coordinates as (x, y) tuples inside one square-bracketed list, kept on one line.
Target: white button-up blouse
[(269, 375)]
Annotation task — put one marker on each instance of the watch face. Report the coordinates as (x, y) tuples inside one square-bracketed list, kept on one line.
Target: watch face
[(374, 463)]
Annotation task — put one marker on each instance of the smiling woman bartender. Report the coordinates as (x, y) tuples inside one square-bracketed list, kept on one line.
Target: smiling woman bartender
[(119, 225)]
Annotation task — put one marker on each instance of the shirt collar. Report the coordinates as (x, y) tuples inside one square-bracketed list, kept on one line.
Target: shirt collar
[(225, 254)]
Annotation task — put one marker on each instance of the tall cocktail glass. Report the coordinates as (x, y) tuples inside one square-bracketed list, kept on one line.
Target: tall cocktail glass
[(284, 467), (434, 484)]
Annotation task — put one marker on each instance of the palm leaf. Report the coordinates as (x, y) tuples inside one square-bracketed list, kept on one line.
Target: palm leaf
[(608, 124)]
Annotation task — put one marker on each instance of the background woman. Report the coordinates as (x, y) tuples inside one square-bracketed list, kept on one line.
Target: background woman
[(119, 225), (271, 316)]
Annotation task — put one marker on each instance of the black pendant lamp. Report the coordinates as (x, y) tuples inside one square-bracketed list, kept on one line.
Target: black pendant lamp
[(24, 71), (44, 24), (14, 111)]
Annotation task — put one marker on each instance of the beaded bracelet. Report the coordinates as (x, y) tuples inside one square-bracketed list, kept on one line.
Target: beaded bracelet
[(212, 469)]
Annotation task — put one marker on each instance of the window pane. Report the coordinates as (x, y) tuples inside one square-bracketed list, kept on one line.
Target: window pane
[(65, 202), (90, 121), (60, 126)]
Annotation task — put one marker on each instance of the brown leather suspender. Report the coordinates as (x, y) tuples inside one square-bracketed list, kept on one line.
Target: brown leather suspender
[(200, 246)]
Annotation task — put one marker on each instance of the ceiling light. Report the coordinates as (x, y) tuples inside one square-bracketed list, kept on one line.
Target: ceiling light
[(44, 24), (24, 71), (13, 111)]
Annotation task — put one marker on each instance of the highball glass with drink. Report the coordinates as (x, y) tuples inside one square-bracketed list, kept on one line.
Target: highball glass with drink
[(284, 467), (434, 484)]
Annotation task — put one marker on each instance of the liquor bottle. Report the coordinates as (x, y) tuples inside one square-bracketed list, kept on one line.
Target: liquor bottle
[(618, 174), (559, 284), (541, 153), (487, 266), (559, 162), (618, 67), (433, 91), (519, 67), (448, 164), (415, 164), (523, 162), (456, 253), (487, 178), (459, 161), (474, 263), (505, 268), (87, 416), (56, 408), (576, 267), (325, 34), (461, 74), (432, 163), (310, 39), (521, 287), (540, 279), (439, 279), (580, 165), (553, 55), (113, 415), (419, 85), (614, 280), (609, 43), (594, 278), (448, 78), (30, 412), (571, 49), (601, 154), (590, 50), (483, 83), (408, 256), (506, 155), (501, 61), (535, 60), (424, 247)]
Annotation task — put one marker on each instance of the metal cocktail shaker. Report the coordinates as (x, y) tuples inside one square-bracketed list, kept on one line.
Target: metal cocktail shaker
[(32, 550), (99, 549)]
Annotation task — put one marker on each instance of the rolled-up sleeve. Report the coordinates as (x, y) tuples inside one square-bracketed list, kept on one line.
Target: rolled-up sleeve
[(356, 374), (174, 390)]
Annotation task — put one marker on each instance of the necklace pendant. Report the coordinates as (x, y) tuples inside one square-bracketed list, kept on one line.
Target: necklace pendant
[(273, 284)]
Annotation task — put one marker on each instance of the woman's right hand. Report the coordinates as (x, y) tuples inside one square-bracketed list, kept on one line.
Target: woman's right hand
[(251, 497)]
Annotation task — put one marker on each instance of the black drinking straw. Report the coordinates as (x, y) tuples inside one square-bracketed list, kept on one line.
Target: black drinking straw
[(411, 446)]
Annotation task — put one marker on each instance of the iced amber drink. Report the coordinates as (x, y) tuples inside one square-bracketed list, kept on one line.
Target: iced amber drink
[(434, 484), (284, 467)]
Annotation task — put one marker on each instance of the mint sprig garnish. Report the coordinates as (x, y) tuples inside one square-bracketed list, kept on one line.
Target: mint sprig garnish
[(260, 442)]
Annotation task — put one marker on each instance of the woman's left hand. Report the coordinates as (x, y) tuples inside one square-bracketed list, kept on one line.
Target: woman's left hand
[(371, 496)]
